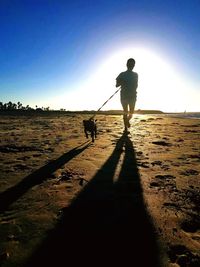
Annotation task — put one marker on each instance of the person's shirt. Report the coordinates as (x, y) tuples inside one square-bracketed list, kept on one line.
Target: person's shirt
[(128, 80)]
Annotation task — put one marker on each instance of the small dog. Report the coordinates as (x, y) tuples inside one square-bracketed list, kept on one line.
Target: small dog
[(91, 127)]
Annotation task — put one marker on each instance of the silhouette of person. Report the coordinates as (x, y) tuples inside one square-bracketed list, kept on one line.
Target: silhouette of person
[(128, 80)]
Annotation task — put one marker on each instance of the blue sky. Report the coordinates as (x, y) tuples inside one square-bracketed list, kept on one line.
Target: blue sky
[(50, 50)]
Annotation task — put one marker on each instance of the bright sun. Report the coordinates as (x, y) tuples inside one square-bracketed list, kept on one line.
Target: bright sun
[(160, 86)]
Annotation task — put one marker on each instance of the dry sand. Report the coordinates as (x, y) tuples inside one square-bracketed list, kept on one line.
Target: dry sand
[(130, 199)]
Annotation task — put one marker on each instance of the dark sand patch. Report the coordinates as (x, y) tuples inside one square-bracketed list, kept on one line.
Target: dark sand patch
[(161, 143)]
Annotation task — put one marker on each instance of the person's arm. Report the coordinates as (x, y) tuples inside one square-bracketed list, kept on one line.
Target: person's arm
[(118, 81), (136, 80)]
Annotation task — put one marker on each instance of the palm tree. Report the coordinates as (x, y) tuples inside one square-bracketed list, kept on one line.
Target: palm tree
[(19, 105), (14, 106), (9, 105), (5, 106)]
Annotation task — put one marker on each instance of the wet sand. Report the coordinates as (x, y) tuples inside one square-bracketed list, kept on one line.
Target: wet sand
[(124, 199)]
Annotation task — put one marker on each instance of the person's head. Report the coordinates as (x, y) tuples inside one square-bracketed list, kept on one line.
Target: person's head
[(130, 63)]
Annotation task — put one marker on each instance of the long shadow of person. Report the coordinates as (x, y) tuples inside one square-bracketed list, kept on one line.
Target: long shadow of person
[(107, 223)]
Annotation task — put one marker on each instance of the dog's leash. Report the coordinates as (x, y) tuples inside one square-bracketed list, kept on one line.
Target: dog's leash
[(104, 104)]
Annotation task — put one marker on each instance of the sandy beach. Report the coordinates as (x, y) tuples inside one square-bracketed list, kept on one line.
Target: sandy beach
[(129, 199)]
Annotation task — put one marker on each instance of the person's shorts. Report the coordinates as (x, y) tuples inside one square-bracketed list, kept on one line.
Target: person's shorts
[(128, 102)]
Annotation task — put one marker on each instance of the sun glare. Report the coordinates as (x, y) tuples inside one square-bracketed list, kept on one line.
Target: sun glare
[(160, 85)]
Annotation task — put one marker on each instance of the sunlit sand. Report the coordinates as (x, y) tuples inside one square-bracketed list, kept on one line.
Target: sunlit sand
[(128, 197)]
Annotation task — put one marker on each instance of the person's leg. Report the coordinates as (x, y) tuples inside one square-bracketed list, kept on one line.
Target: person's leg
[(125, 115), (131, 110)]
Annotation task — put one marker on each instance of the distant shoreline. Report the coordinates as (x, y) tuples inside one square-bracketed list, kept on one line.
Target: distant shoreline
[(53, 112), (92, 112)]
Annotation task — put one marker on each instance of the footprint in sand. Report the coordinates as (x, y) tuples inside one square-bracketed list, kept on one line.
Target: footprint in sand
[(161, 143), (65, 176), (166, 176), (155, 184), (171, 205), (191, 131), (163, 180), (190, 226), (194, 156), (21, 167), (144, 164), (182, 256), (156, 162), (189, 172)]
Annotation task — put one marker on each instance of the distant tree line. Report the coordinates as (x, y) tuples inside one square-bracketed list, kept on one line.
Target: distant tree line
[(19, 106), (10, 106)]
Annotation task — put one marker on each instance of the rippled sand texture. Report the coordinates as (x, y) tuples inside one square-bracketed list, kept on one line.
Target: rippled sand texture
[(124, 199)]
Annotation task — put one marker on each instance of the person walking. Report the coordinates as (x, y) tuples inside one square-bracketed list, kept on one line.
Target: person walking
[(128, 80)]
